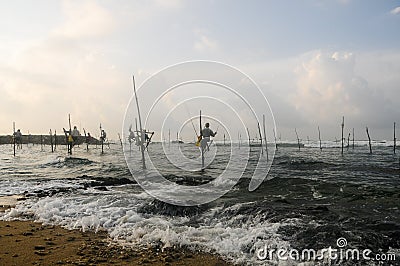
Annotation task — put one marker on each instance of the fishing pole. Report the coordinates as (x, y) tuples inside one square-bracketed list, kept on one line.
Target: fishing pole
[(191, 121)]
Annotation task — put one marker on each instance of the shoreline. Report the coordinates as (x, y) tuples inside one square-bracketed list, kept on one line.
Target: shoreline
[(32, 243)]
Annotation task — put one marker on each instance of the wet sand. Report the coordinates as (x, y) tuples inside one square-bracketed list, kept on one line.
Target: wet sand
[(30, 243)]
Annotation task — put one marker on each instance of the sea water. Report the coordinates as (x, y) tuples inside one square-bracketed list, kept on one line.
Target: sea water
[(310, 199)]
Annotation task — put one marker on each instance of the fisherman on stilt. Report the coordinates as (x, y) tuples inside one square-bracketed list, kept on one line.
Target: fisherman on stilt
[(206, 133), (18, 138)]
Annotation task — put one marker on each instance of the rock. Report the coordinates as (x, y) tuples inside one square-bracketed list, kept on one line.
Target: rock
[(41, 253), (38, 247)]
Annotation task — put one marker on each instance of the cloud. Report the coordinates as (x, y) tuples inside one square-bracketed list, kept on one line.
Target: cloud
[(395, 11), (173, 4), (63, 73), (329, 87), (204, 43), (85, 19)]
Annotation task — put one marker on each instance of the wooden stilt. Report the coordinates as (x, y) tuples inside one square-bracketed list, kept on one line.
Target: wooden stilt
[(55, 139), (142, 134), (101, 140), (69, 138), (120, 140), (342, 134), (394, 138), (51, 141), (259, 132), (276, 144), (319, 137), (248, 135), (169, 138), (265, 137), (14, 137), (369, 141), (348, 141), (298, 140)]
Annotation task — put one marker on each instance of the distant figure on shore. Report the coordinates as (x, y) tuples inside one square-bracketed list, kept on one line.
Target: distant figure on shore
[(146, 135), (147, 138), (131, 135), (206, 133), (103, 135), (75, 134), (88, 138), (18, 138)]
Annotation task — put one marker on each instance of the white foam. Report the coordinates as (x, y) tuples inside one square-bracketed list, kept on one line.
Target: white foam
[(228, 236)]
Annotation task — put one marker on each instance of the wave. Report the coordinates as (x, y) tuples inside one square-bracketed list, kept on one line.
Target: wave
[(62, 161)]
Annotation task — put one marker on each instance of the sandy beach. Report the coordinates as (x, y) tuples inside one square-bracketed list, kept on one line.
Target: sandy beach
[(30, 243)]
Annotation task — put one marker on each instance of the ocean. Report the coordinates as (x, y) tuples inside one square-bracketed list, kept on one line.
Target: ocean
[(343, 207)]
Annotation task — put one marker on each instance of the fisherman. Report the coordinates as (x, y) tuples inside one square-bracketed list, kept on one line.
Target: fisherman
[(103, 135), (88, 138), (147, 138), (131, 135), (206, 133), (18, 138), (75, 133), (69, 140)]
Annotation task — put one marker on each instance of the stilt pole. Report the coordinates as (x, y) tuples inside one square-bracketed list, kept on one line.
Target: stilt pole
[(265, 137), (394, 138), (297, 136), (14, 137), (319, 137), (342, 134), (369, 141), (259, 132), (142, 135)]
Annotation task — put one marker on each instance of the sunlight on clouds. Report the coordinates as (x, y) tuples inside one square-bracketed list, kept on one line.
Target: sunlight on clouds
[(169, 3), (59, 74), (85, 19), (395, 11), (324, 85), (328, 87), (204, 43)]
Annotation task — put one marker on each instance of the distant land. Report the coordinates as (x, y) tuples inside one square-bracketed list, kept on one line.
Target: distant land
[(46, 140)]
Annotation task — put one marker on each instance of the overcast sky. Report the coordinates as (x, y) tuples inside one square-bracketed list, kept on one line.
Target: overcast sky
[(315, 60)]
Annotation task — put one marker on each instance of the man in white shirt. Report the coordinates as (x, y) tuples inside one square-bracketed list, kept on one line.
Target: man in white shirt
[(206, 133)]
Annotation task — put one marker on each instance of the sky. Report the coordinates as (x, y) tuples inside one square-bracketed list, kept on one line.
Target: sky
[(314, 60)]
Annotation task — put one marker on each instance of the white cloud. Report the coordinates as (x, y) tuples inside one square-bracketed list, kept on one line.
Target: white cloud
[(60, 74), (204, 43), (85, 19), (174, 4), (328, 87), (395, 11)]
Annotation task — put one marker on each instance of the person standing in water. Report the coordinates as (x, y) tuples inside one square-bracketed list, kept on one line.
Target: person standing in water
[(103, 135), (18, 138), (206, 133), (75, 134)]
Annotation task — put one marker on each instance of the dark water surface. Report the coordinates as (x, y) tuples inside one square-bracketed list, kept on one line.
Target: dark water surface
[(312, 199)]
